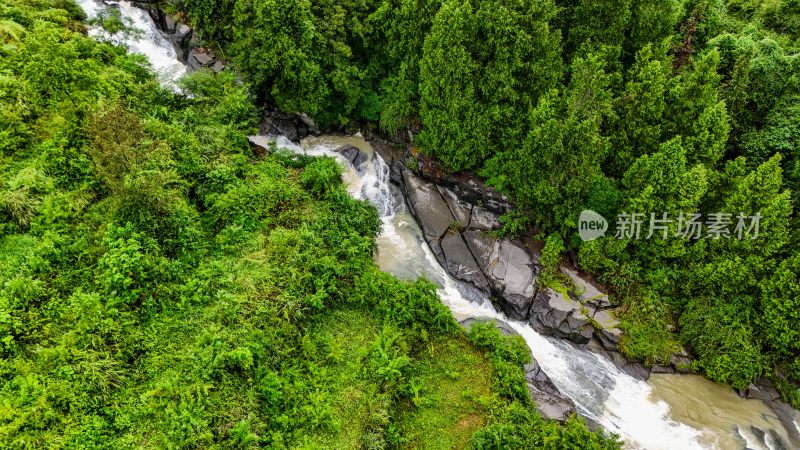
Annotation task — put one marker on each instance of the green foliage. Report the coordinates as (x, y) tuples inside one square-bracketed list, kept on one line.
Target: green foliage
[(518, 427), (321, 175), (550, 260), (509, 355), (724, 344), (160, 289), (482, 64)]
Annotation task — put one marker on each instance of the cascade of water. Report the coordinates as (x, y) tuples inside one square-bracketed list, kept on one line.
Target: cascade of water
[(147, 40)]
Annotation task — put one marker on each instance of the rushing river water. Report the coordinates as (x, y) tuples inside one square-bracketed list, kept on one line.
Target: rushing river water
[(668, 412)]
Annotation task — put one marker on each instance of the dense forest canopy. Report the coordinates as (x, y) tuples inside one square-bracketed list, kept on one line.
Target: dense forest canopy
[(161, 287), (647, 106)]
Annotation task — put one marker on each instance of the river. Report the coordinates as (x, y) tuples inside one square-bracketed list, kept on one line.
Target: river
[(667, 412)]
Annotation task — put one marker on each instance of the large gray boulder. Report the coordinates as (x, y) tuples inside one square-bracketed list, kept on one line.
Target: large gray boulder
[(550, 402), (587, 291), (429, 208), (556, 314), (460, 263), (353, 155), (461, 210), (509, 268)]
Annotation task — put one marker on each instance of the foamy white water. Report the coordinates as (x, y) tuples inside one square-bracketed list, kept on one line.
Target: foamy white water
[(150, 41)]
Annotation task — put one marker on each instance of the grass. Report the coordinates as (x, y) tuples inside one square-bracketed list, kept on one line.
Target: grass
[(345, 336), (454, 380)]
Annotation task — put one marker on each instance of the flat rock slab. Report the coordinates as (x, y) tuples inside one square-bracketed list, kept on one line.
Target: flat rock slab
[(460, 262), (483, 219), (461, 210), (203, 58), (429, 208)]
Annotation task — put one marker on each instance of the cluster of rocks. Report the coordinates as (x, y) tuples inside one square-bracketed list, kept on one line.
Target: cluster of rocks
[(294, 127), (765, 391), (460, 234), (459, 217)]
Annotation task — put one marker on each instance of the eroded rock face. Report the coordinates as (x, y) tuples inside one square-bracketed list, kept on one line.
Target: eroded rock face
[(483, 219), (461, 210), (293, 126), (587, 291), (556, 314), (429, 208), (550, 402)]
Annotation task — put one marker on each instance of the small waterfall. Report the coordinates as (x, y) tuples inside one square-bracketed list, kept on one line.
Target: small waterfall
[(601, 391), (147, 40)]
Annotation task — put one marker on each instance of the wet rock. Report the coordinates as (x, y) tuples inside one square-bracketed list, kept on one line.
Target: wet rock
[(204, 59), (289, 125), (460, 209), (483, 219), (763, 389), (473, 190), (519, 279), (198, 60), (633, 369), (217, 66), (309, 124), (352, 154), (429, 208), (636, 370), (658, 368), (681, 362), (596, 346), (554, 313), (460, 262), (551, 309), (509, 268), (769, 438), (580, 327), (610, 338), (786, 415), (169, 23)]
